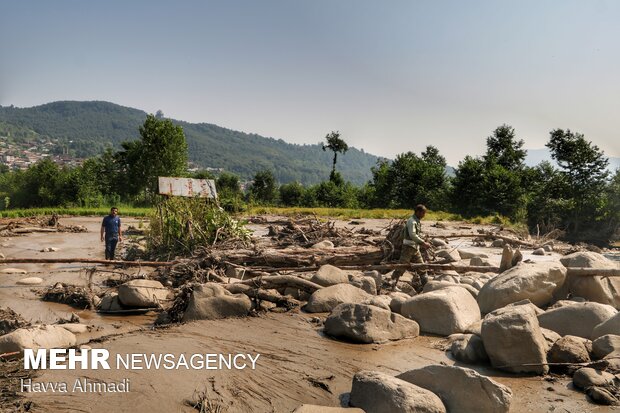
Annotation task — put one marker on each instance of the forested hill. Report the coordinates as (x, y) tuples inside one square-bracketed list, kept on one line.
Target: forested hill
[(87, 128)]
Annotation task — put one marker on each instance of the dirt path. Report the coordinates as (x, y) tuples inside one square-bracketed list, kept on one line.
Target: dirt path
[(297, 363)]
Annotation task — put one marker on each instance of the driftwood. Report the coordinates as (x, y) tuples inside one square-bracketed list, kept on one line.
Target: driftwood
[(85, 261), (487, 235), (278, 281), (388, 267)]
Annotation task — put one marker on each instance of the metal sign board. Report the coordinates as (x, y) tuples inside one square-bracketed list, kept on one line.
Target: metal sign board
[(189, 187)]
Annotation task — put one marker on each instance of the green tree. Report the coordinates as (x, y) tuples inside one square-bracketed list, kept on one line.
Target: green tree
[(585, 167), (263, 188), (161, 151), (291, 194), (336, 145), (504, 149), (468, 187)]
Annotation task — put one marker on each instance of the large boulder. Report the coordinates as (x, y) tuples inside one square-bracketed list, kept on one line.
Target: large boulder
[(438, 285), (376, 392), (468, 348), (578, 319), (365, 283), (604, 290), (448, 255), (362, 323), (326, 299), (329, 275), (609, 326), (211, 301), (460, 389), (604, 345), (446, 311), (110, 303), (37, 337), (513, 340), (142, 293), (536, 282), (569, 349), (588, 377)]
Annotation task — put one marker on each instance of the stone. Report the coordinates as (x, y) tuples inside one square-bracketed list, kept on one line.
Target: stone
[(325, 244), (610, 326), (376, 392), (326, 299), (480, 262), (362, 323), (538, 251), (512, 339), (604, 290), (110, 303), (506, 261), (497, 243), (550, 337), (313, 408), (461, 389), (211, 301), (446, 311), (468, 348), (13, 271), (448, 255), (375, 275), (465, 255), (528, 303), (547, 248), (75, 328), (586, 377), (329, 275), (30, 281), (396, 304), (142, 293), (438, 242), (568, 349), (536, 282), (604, 345), (578, 319), (601, 395), (438, 285), (474, 328), (381, 301), (365, 283), (37, 337)]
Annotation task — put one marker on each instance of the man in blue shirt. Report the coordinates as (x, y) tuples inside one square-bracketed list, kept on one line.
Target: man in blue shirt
[(111, 232)]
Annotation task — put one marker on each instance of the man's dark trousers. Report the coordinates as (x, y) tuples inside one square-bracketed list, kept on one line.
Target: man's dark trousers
[(110, 247)]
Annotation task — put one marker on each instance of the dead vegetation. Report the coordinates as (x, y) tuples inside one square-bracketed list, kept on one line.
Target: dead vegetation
[(10, 320), (75, 296)]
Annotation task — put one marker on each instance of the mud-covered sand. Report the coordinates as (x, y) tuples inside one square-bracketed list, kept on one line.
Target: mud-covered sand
[(297, 364)]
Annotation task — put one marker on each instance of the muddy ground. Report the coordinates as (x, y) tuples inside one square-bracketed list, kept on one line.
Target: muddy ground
[(297, 363)]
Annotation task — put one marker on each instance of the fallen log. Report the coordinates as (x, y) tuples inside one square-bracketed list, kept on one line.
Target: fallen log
[(277, 281), (385, 267), (30, 230), (494, 236), (85, 261)]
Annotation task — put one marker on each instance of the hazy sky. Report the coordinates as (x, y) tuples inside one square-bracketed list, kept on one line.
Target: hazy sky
[(392, 76)]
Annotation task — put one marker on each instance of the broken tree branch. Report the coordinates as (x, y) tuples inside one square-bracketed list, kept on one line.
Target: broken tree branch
[(85, 261)]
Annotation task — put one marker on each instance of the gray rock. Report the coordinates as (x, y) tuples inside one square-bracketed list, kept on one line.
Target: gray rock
[(211, 301), (480, 262), (604, 290), (547, 248), (365, 283), (550, 337), (512, 339), (448, 255), (381, 301), (610, 326), (377, 392), (474, 328), (536, 282), (601, 395), (538, 251), (438, 285), (37, 337), (569, 349), (142, 293), (604, 345), (465, 255), (577, 320), (586, 377), (375, 275), (326, 299), (438, 242), (446, 311), (462, 390), (397, 301), (110, 303), (329, 275), (326, 244), (498, 243), (368, 324), (468, 348), (30, 281)]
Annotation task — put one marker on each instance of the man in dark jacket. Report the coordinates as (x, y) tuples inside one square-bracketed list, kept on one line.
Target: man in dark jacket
[(111, 232)]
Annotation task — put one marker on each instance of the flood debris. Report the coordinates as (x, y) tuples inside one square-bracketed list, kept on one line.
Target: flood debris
[(75, 296)]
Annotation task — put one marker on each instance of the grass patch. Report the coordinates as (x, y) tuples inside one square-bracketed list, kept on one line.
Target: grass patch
[(82, 211)]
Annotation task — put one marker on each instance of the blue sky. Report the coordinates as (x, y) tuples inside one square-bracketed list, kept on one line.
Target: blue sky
[(391, 76)]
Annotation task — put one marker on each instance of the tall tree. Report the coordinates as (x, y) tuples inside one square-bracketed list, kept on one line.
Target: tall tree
[(161, 151), (336, 145), (263, 187), (585, 168), (504, 149)]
